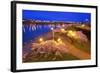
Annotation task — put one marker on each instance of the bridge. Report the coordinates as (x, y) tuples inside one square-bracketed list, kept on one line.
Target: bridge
[(32, 22)]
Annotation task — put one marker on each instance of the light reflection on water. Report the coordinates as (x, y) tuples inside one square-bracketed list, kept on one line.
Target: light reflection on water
[(30, 32)]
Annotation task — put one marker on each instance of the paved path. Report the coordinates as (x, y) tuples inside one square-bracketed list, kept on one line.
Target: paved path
[(76, 52)]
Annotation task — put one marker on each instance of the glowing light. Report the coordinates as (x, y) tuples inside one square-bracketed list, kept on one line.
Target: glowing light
[(71, 33), (63, 25), (82, 25), (59, 40), (62, 30), (52, 28), (41, 39)]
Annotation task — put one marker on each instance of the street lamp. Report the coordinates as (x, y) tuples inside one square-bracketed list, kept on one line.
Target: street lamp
[(62, 30), (52, 32), (83, 25), (59, 40), (41, 39), (72, 34), (63, 25)]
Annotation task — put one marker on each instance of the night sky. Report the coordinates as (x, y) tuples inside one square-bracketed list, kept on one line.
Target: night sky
[(56, 16)]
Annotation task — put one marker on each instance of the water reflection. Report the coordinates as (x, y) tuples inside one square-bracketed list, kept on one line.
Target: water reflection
[(32, 31)]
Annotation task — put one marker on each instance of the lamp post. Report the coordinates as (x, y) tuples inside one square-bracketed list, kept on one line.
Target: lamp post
[(41, 40), (52, 32)]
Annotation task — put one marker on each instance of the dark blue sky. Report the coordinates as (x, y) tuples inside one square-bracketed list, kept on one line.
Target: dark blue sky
[(56, 16)]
